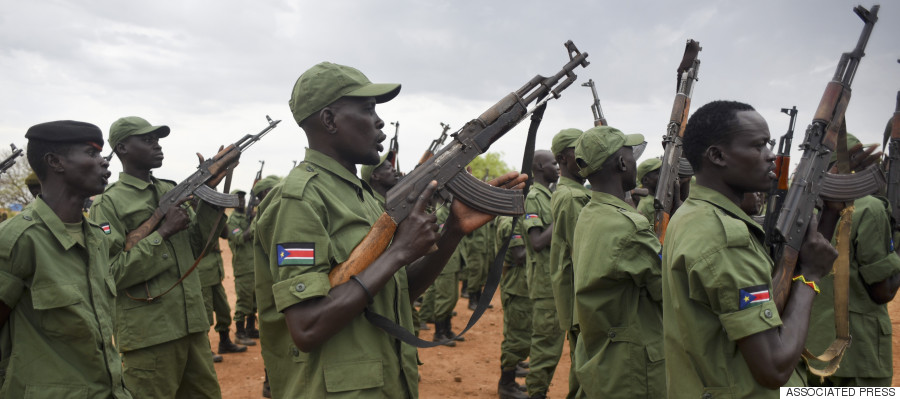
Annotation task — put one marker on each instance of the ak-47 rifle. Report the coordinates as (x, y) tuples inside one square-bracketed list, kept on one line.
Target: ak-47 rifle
[(599, 119), (668, 172), (893, 187), (210, 172), (253, 201), (433, 147), (820, 141), (394, 146), (775, 198), (447, 167), (11, 159)]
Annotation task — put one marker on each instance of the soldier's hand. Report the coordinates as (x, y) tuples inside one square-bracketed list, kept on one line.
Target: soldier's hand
[(176, 219), (816, 254), (468, 219), (246, 236), (419, 231)]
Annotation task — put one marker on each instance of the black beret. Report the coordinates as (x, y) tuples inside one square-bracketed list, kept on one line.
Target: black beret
[(66, 131)]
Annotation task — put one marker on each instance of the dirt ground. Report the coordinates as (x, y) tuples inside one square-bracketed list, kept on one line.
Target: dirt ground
[(470, 370)]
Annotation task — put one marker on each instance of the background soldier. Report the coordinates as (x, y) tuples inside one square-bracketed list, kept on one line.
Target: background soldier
[(56, 291), (517, 311), (648, 177), (240, 241)]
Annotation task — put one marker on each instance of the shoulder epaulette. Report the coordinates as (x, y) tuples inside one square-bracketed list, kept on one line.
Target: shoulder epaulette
[(172, 182), (640, 222), (736, 232), (12, 230), (295, 182)]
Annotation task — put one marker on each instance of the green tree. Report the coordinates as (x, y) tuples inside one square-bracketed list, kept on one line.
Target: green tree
[(12, 182), (489, 165)]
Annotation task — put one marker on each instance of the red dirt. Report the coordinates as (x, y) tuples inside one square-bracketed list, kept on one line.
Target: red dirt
[(470, 370)]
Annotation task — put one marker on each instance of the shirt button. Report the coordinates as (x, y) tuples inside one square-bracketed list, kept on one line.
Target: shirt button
[(707, 396), (295, 351), (26, 217), (768, 313), (309, 169), (156, 240), (300, 288), (165, 256), (612, 334)]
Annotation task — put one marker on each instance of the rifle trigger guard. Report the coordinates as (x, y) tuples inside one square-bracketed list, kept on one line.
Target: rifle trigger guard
[(485, 197)]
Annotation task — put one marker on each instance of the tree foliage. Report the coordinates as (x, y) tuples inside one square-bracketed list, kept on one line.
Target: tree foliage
[(12, 182), (489, 165)]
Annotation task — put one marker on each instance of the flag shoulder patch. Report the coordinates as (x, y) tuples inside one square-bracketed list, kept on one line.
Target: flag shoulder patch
[(296, 253), (105, 227), (753, 296)]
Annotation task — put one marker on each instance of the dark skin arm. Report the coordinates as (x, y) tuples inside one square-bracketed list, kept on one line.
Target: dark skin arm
[(518, 255), (883, 291), (771, 355), (540, 238)]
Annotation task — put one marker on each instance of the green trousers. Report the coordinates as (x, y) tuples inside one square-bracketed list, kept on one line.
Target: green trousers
[(516, 345), (182, 368), (245, 303), (546, 345), (441, 297), (476, 270), (216, 301)]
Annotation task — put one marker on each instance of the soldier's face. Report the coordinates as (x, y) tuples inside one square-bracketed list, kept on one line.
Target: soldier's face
[(85, 170), (144, 150), (750, 164), (385, 174), (359, 129), (545, 164)]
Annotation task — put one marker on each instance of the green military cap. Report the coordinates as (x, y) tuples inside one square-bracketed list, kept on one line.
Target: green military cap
[(266, 183), (647, 167), (598, 143), (66, 132), (239, 192), (852, 141), (366, 171), (325, 83), (564, 139), (129, 126), (32, 180)]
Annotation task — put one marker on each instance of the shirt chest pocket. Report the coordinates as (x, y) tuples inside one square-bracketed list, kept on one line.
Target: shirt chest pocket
[(60, 309)]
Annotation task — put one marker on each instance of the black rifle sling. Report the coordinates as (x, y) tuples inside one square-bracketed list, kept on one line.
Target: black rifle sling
[(494, 273)]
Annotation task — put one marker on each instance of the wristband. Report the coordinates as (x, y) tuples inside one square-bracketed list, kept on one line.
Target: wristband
[(811, 284), (369, 294)]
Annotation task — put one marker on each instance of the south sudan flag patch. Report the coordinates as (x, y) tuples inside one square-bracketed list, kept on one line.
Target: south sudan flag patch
[(752, 296), (236, 230), (105, 227), (296, 253)]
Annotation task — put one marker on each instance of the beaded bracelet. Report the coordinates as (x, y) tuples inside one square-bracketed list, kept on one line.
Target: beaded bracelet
[(369, 294), (811, 284)]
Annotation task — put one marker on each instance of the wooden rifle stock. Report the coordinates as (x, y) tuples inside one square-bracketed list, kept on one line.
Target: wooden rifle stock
[(370, 248)]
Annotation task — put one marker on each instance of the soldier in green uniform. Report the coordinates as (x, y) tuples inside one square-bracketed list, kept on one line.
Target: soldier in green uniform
[(33, 184), (648, 177), (381, 177), (164, 342), (241, 245), (517, 309), (57, 295), (547, 336), (477, 262), (315, 339), (212, 272), (618, 289), (874, 279), (565, 205), (442, 296), (723, 335)]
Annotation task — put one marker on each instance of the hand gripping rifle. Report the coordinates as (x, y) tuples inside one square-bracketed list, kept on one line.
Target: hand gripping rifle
[(893, 188), (210, 171), (775, 197), (668, 173), (820, 141), (448, 165), (434, 145), (394, 146), (599, 119), (11, 159)]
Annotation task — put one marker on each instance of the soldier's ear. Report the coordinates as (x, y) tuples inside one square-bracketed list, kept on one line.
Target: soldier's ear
[(54, 163), (715, 155), (327, 118)]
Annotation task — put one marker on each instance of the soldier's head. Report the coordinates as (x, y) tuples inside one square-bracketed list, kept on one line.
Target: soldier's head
[(262, 187), (545, 169), (726, 142), (381, 176), (33, 184), (136, 142), (65, 155), (242, 199), (335, 106), (606, 155), (648, 173), (563, 148)]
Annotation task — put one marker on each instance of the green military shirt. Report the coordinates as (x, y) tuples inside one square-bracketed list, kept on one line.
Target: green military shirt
[(565, 205), (211, 267), (454, 264), (537, 214), (513, 280), (241, 251), (717, 278), (618, 294), (646, 208), (307, 225), (153, 265), (872, 259), (58, 340)]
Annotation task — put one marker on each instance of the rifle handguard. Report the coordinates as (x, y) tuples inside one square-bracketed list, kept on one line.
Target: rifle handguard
[(370, 248)]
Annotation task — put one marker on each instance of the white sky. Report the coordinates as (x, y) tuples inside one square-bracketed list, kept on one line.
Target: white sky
[(212, 70)]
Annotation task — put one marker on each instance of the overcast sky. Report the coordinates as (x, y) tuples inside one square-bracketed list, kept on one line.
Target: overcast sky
[(212, 70)]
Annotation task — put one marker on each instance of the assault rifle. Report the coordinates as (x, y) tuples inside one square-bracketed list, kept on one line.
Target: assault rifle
[(775, 197), (447, 167), (434, 144), (820, 141), (599, 119), (11, 159), (394, 146), (253, 201), (668, 172), (893, 188), (210, 172)]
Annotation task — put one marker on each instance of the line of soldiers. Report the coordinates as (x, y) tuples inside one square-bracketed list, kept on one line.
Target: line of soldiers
[(80, 314)]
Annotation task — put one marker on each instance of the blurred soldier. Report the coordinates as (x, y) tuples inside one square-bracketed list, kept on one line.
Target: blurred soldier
[(648, 177), (241, 245), (517, 311)]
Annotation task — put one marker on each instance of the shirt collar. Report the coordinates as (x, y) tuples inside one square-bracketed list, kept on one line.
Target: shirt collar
[(571, 183), (609, 199), (135, 182), (540, 188), (331, 165), (706, 194), (54, 224)]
